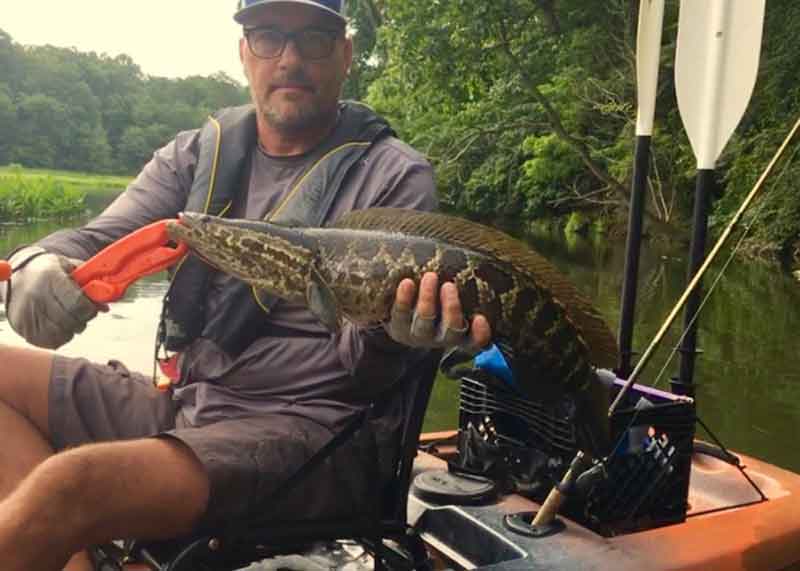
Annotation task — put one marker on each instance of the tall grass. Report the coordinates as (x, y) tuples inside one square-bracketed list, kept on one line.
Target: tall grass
[(36, 194)]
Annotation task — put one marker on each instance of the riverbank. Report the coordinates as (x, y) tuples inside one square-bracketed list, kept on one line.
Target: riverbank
[(35, 194), (612, 228)]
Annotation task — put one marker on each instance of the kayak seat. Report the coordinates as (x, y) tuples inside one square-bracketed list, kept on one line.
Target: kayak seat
[(376, 521)]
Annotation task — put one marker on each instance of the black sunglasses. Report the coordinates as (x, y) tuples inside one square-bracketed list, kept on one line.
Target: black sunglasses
[(311, 43)]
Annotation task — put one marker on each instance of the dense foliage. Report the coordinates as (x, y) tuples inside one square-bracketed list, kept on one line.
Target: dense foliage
[(526, 108), (83, 111)]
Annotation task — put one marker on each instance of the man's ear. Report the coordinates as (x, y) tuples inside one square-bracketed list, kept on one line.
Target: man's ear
[(348, 55), (242, 50)]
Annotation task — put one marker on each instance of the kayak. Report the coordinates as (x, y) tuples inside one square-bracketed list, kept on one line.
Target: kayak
[(728, 524)]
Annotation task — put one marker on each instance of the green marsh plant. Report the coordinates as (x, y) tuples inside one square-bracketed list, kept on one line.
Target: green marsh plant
[(24, 197)]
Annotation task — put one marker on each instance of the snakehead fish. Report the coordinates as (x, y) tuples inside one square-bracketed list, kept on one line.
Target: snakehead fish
[(352, 269)]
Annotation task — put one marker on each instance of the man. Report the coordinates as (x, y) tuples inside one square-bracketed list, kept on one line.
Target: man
[(93, 452)]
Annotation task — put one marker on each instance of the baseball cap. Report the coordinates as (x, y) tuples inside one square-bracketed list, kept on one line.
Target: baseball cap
[(245, 8)]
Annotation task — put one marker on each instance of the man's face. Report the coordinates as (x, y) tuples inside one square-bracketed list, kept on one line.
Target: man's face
[(293, 93)]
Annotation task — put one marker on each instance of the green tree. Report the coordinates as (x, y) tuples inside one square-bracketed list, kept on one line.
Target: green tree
[(472, 81), (775, 219), (42, 122), (8, 123), (10, 62), (138, 143), (366, 19)]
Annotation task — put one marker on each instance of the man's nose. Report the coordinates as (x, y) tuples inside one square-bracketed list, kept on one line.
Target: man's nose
[(291, 55)]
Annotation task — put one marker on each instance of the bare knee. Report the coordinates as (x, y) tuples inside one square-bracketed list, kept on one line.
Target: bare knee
[(149, 488), (25, 382)]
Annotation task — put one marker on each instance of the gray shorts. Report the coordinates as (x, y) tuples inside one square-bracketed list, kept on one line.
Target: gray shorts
[(246, 459)]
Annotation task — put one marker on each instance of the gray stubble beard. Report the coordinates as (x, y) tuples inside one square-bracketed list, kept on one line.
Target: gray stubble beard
[(306, 117)]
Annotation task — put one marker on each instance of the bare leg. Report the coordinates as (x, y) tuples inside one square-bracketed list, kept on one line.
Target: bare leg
[(54, 506), (149, 489), (24, 382), (23, 417)]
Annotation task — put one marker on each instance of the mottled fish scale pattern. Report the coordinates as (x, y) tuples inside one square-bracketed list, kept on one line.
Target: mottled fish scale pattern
[(364, 267), (498, 247), (555, 334)]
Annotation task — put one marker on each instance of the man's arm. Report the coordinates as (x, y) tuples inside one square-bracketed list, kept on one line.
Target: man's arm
[(160, 191), (43, 304)]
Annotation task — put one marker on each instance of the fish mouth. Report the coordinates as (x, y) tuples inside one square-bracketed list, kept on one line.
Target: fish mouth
[(194, 220), (190, 229), (183, 229), (185, 222), (191, 219)]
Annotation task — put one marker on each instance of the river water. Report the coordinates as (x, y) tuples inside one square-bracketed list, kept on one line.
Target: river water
[(748, 378)]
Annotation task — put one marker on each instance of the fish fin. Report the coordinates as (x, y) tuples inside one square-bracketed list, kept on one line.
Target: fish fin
[(322, 303), (463, 233)]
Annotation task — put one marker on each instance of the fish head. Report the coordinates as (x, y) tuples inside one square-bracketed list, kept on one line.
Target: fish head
[(275, 258)]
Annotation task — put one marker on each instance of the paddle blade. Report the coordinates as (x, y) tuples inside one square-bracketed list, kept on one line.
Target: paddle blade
[(648, 58), (719, 45)]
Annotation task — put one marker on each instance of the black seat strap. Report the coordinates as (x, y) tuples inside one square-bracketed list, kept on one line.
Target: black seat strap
[(355, 422)]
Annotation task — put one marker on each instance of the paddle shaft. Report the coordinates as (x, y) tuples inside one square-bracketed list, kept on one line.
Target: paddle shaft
[(648, 59), (684, 384), (718, 49), (641, 168)]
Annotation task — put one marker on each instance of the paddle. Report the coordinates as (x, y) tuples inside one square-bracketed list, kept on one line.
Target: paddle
[(716, 64), (648, 58)]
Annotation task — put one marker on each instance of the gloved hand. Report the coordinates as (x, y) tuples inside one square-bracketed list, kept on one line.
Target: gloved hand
[(43, 303), (418, 327)]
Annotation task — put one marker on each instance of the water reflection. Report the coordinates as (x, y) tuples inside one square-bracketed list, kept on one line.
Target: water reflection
[(748, 377)]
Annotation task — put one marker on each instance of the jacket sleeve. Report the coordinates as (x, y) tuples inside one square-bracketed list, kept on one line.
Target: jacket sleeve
[(160, 191)]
